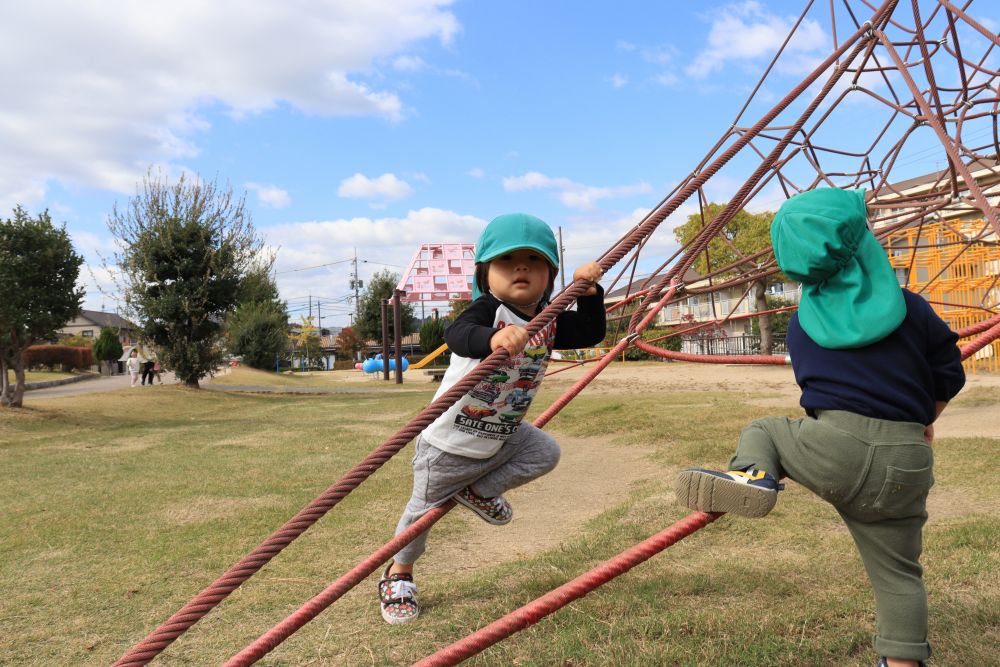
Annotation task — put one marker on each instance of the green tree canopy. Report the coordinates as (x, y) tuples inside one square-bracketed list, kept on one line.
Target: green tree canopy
[(744, 235), (258, 285), (38, 293), (431, 335), (258, 331), (369, 319), (108, 347), (186, 250)]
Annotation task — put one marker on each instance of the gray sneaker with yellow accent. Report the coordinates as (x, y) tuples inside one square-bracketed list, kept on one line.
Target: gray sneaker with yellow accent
[(750, 493)]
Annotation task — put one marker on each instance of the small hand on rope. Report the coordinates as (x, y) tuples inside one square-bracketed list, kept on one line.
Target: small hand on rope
[(591, 272)]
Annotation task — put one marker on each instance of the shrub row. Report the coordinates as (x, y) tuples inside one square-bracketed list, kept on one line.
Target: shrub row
[(67, 357)]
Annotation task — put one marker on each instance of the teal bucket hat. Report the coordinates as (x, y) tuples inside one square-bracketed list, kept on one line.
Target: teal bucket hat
[(850, 294), (513, 231)]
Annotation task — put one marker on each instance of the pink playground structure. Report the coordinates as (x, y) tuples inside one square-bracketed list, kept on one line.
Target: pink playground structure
[(439, 272)]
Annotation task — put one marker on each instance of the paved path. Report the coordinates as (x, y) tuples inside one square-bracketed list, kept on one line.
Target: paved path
[(297, 390), (101, 384), (116, 382)]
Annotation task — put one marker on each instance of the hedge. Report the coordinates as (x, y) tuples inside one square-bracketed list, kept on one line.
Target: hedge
[(67, 357)]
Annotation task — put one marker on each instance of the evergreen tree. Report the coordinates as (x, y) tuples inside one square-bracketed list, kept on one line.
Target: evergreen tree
[(38, 293), (108, 347), (431, 335), (258, 331), (187, 249), (369, 319)]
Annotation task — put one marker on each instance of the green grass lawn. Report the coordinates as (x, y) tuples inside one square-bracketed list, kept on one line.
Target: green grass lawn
[(119, 507), (41, 376)]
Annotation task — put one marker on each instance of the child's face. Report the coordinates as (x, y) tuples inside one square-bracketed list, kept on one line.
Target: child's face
[(519, 277)]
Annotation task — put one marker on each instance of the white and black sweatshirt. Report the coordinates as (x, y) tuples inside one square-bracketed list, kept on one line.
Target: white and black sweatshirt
[(480, 422)]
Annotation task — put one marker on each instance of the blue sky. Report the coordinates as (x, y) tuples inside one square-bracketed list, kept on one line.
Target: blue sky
[(381, 125)]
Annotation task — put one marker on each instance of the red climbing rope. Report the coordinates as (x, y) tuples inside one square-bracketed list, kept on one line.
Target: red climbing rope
[(971, 348), (311, 609), (534, 611)]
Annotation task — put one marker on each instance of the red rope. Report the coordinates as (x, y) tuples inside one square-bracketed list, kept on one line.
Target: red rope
[(534, 611), (231, 579), (578, 386), (311, 609), (991, 335), (978, 327), (772, 359)]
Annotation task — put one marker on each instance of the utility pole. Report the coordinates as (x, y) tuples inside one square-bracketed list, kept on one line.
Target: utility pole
[(356, 284), (562, 263), (310, 307)]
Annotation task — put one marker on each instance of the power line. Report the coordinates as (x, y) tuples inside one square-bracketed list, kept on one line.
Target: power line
[(308, 268)]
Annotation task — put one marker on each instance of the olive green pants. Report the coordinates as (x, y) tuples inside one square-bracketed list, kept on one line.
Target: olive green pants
[(876, 473)]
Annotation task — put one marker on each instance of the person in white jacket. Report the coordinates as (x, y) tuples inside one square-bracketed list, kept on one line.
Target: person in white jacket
[(134, 366)]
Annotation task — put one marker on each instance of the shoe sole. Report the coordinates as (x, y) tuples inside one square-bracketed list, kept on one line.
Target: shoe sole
[(708, 493), (394, 620), (482, 515)]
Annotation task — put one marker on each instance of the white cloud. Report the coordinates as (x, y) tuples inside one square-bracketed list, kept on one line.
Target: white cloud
[(104, 89), (386, 187), (573, 195), (409, 63), (381, 243), (477, 173), (746, 31), (619, 80), (270, 195)]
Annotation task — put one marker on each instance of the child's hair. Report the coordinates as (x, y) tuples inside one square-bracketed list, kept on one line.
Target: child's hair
[(482, 280)]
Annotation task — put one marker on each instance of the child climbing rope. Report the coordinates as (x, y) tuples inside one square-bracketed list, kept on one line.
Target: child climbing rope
[(876, 367), (480, 447)]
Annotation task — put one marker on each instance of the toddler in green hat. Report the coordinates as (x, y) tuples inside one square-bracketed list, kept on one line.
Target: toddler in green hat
[(480, 447), (876, 366)]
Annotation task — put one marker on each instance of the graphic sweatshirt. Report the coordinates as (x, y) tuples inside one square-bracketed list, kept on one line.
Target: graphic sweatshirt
[(478, 424)]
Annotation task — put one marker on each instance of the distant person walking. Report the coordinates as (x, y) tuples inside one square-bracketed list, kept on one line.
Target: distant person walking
[(133, 366), (147, 372), (157, 369)]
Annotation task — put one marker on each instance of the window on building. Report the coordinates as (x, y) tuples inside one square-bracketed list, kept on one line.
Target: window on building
[(87, 333)]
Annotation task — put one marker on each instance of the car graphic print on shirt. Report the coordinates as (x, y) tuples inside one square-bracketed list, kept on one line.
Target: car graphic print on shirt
[(496, 406)]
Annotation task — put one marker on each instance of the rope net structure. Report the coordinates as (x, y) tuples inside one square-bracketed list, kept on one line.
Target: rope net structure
[(911, 84)]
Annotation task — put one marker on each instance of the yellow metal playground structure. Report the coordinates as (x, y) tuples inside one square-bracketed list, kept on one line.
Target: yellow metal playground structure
[(957, 269)]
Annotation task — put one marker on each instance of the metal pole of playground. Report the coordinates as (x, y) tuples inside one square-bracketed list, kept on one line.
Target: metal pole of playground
[(397, 338), (385, 339)]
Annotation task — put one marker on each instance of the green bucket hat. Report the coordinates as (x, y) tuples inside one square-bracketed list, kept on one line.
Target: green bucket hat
[(850, 294), (513, 231)]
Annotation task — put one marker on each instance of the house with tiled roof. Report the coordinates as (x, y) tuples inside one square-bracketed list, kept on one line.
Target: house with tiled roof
[(88, 324)]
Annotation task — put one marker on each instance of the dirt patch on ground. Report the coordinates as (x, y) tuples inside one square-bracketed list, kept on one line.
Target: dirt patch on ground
[(550, 509)]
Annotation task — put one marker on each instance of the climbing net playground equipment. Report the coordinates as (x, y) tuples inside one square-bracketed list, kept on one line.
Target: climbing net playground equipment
[(910, 81)]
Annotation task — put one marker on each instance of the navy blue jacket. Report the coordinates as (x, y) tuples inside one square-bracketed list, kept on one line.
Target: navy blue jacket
[(898, 378)]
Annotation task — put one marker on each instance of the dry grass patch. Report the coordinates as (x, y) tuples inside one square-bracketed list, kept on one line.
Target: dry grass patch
[(103, 541)]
